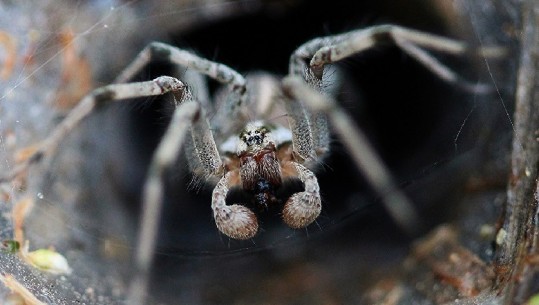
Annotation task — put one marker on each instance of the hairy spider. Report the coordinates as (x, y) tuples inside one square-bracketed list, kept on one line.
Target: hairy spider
[(257, 156)]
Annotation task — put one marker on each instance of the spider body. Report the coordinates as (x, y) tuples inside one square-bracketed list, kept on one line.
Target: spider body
[(258, 160), (260, 169), (262, 162)]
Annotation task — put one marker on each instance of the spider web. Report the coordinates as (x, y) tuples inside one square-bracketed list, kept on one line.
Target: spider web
[(29, 110), (34, 60)]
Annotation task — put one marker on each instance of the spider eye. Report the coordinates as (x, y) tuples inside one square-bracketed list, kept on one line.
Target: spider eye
[(256, 139), (254, 134)]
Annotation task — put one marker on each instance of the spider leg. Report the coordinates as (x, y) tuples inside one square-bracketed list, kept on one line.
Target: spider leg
[(163, 51), (264, 87), (164, 156), (362, 153), (318, 120), (326, 50), (235, 221), (321, 134), (216, 71), (303, 208), (165, 153), (310, 132), (202, 153), (198, 86), (302, 136), (115, 92), (310, 139)]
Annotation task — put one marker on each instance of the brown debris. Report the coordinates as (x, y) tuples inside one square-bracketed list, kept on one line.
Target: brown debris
[(76, 76), (10, 47), (19, 289), (19, 213), (440, 261)]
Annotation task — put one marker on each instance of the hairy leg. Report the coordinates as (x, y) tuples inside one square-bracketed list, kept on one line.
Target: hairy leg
[(183, 58), (362, 153), (115, 92), (152, 196), (303, 208), (331, 49), (235, 221)]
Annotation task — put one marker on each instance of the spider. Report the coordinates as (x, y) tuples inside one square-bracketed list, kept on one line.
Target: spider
[(243, 147)]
